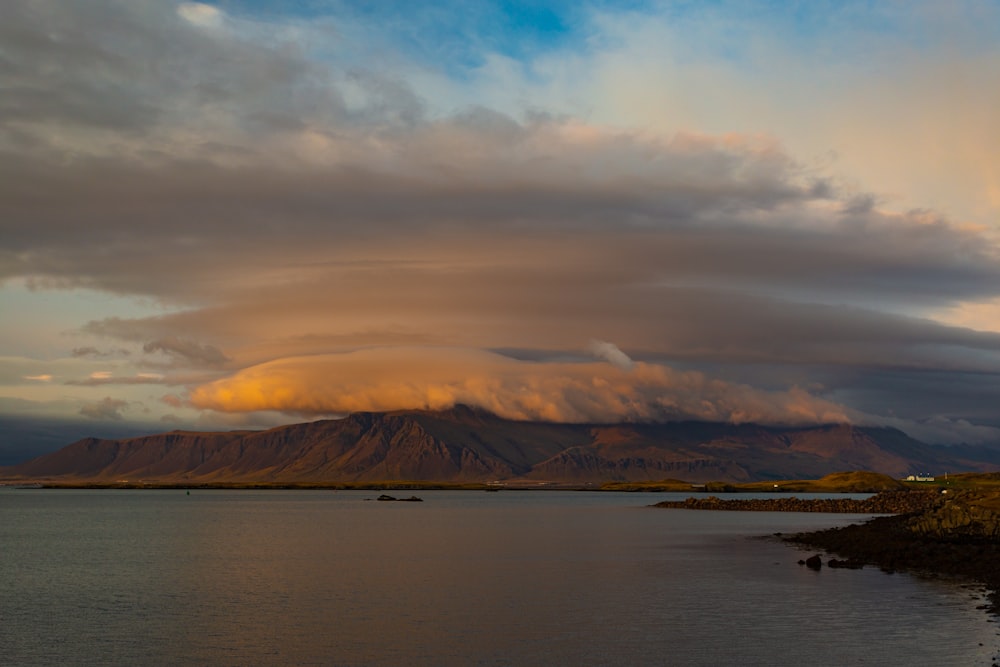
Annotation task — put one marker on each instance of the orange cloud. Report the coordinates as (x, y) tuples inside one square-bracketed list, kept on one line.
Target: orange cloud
[(437, 378)]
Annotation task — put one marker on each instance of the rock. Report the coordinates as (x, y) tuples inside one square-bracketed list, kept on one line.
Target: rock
[(814, 562), (966, 516), (885, 502), (956, 536)]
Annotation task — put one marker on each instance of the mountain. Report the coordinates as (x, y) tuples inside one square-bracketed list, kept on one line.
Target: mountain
[(465, 445)]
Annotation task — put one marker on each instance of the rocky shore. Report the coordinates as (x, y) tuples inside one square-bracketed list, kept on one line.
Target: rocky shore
[(887, 502), (957, 536), (954, 534)]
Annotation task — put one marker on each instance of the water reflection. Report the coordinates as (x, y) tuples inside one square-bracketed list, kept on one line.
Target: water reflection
[(328, 578)]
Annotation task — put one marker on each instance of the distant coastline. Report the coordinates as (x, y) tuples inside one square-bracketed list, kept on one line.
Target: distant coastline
[(857, 481), (885, 502)]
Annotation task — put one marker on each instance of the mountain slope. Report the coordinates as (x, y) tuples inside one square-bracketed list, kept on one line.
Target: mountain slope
[(464, 444)]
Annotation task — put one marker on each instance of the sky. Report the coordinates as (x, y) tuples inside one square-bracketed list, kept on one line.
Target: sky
[(246, 213)]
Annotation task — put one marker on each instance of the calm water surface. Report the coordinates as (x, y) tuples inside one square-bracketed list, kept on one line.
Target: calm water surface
[(465, 578)]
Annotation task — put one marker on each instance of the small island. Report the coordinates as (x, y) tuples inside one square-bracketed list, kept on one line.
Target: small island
[(392, 499)]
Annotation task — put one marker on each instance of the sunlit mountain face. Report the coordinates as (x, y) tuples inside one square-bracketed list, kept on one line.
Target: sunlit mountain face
[(465, 444)]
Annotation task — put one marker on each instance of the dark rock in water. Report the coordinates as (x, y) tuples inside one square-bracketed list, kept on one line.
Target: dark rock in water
[(411, 499), (847, 564), (814, 562)]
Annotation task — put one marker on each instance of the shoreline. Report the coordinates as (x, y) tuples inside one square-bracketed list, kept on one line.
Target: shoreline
[(886, 502), (889, 543), (926, 533)]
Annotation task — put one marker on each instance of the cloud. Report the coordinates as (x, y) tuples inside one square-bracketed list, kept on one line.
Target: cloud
[(34, 375), (200, 14), (434, 378), (120, 328), (610, 353), (303, 189), (90, 351), (106, 378), (187, 352), (941, 429), (172, 400), (695, 211), (106, 409)]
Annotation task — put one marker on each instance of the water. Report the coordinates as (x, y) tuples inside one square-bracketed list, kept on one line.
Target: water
[(121, 577)]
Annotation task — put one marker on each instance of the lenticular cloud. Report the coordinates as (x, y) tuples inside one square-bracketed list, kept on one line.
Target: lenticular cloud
[(438, 378)]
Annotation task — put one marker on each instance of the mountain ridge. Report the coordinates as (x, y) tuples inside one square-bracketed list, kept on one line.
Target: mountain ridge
[(464, 444)]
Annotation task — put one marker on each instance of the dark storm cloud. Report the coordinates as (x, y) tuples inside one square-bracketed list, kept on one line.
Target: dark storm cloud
[(221, 221)]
